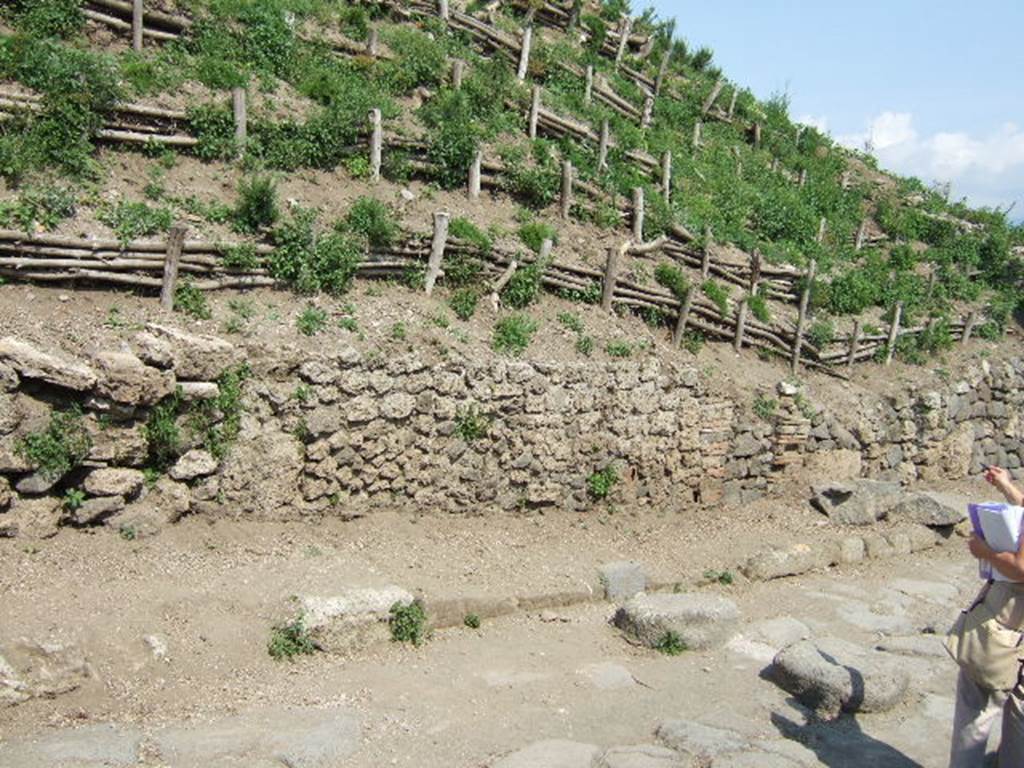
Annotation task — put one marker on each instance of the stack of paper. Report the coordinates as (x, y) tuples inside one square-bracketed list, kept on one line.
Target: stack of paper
[(1000, 526)]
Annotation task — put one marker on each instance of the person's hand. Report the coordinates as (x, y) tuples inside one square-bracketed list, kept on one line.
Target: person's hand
[(1000, 478), (978, 547)]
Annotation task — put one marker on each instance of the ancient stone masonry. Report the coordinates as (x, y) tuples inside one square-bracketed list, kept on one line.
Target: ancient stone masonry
[(344, 432)]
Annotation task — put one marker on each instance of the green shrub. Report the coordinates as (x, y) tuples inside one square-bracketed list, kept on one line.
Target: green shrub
[(571, 321), (759, 308), (470, 425), (163, 436), (463, 229), (133, 220), (693, 341), (214, 129), (73, 499), (311, 321), (584, 345), (373, 220), (408, 623), (472, 621), (601, 483), (309, 263), (673, 279), (718, 294), (821, 333), (44, 206), (191, 301), (60, 447), (725, 578), (524, 287), (463, 303), (257, 204), (216, 423), (618, 349), (512, 334), (765, 407), (671, 644), (48, 18), (534, 233), (290, 640)]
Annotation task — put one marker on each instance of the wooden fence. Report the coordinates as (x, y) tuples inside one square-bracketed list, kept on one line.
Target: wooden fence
[(147, 265)]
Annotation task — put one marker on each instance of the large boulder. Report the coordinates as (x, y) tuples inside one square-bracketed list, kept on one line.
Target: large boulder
[(832, 676), (124, 378), (936, 510), (855, 502), (111, 481), (31, 363), (195, 358), (699, 621)]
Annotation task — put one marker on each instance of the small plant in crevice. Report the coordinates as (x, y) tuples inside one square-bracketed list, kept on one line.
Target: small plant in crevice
[(584, 345), (470, 424), (671, 644), (398, 332), (463, 303), (512, 334), (311, 321), (290, 640), (693, 342), (163, 435), (128, 532), (472, 621), (408, 622), (601, 483), (571, 321), (725, 578), (73, 499), (765, 407), (619, 349), (60, 447)]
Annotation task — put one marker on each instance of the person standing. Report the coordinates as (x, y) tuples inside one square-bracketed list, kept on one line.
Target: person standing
[(979, 705)]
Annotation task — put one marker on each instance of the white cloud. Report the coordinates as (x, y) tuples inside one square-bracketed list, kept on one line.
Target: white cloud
[(989, 170)]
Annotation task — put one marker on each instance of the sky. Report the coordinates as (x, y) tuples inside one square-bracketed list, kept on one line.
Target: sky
[(936, 87)]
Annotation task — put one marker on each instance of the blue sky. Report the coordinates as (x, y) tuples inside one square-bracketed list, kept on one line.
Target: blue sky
[(938, 87)]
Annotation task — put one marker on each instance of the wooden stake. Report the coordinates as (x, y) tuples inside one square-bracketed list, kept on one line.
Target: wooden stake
[(822, 229), (602, 147), (851, 358), (238, 107), (474, 175), (648, 113), (534, 111), (732, 102), (458, 72), (862, 233), (501, 282), (376, 143), (625, 29), (175, 243), (611, 271), (775, 165), (566, 208), (659, 81), (741, 324), (681, 320), (755, 272), (441, 220), (666, 176), (757, 135), (972, 318), (803, 178), (588, 93), (696, 134), (894, 330), (801, 321), (710, 100), (705, 254), (524, 54), (373, 42), (638, 214), (137, 18), (442, 9)]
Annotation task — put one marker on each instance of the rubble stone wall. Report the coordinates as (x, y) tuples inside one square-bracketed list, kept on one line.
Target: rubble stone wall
[(344, 433)]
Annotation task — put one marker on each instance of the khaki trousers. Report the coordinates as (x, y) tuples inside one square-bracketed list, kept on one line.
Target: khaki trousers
[(978, 711)]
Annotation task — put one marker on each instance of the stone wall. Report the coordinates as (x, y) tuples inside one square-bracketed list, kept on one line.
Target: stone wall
[(345, 432)]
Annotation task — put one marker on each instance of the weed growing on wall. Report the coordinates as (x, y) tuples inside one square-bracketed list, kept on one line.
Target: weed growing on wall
[(601, 483), (60, 447)]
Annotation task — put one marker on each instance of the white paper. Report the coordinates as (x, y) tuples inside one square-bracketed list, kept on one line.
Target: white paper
[(1001, 526)]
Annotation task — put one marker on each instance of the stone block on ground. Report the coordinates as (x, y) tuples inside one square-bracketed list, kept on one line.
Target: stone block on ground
[(700, 621), (124, 378), (354, 618), (554, 753), (702, 742), (779, 632), (855, 502), (300, 738), (195, 358), (936, 510), (621, 580), (641, 756), (777, 562), (96, 510), (195, 463), (851, 550), (832, 676), (104, 744)]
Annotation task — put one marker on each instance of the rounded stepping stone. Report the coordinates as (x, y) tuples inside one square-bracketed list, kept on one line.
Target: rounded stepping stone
[(699, 621)]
